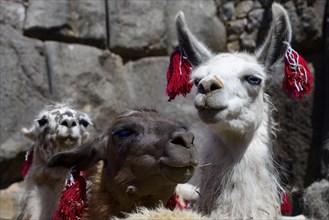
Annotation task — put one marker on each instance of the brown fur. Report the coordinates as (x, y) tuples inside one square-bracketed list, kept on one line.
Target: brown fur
[(145, 155)]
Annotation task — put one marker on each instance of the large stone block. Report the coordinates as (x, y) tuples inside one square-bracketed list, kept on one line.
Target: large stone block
[(146, 85), (147, 28), (307, 24), (12, 13), (23, 91), (68, 21), (24, 83), (87, 76), (202, 21), (103, 86), (137, 28)]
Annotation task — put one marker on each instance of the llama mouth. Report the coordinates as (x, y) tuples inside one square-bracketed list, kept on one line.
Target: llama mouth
[(211, 116), (68, 140), (177, 162), (212, 108), (177, 175)]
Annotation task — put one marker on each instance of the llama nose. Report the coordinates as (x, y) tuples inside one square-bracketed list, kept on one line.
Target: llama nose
[(207, 86), (184, 139), (69, 122)]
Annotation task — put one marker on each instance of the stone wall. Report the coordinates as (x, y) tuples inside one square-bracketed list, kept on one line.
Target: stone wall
[(107, 55)]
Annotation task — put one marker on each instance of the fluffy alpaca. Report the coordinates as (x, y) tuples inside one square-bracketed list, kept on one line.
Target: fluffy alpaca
[(58, 127), (145, 155), (241, 181)]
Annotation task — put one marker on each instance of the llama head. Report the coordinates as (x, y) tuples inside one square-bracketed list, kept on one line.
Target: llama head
[(230, 92), (59, 125), (145, 156)]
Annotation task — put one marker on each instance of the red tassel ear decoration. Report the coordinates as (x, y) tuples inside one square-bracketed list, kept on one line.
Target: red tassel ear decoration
[(298, 79), (178, 81), (72, 202), (27, 162)]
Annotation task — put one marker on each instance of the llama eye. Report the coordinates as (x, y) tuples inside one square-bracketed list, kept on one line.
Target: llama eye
[(42, 122), (253, 80), (84, 123), (124, 133)]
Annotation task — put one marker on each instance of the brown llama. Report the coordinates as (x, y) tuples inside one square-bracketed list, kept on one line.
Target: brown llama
[(144, 157)]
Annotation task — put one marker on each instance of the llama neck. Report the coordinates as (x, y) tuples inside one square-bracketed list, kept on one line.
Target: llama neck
[(107, 199), (248, 186), (41, 174), (44, 185)]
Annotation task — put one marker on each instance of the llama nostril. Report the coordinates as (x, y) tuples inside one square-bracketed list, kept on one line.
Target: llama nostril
[(64, 123), (68, 123), (214, 86), (179, 141), (210, 85), (201, 89)]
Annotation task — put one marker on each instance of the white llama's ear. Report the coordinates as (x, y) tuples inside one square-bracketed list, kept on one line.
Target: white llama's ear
[(274, 47), (38, 126), (195, 51)]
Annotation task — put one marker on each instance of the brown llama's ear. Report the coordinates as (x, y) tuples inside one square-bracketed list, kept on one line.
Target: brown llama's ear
[(81, 157), (195, 51), (275, 47)]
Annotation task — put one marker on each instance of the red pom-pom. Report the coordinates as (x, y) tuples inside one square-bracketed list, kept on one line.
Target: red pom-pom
[(175, 202), (178, 81), (298, 79), (27, 162), (72, 202), (285, 204)]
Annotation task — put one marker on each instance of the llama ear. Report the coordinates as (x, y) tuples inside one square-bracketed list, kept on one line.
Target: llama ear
[(195, 51), (274, 47), (81, 157), (38, 126)]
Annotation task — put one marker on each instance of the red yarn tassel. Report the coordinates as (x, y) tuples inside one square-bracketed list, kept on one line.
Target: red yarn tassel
[(179, 69), (27, 162), (298, 79), (175, 202), (72, 202), (285, 204)]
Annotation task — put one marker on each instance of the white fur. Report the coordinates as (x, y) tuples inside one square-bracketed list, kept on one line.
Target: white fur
[(187, 191), (43, 184), (240, 181)]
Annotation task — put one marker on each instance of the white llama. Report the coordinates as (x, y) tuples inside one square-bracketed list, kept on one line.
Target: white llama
[(57, 128), (241, 181)]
